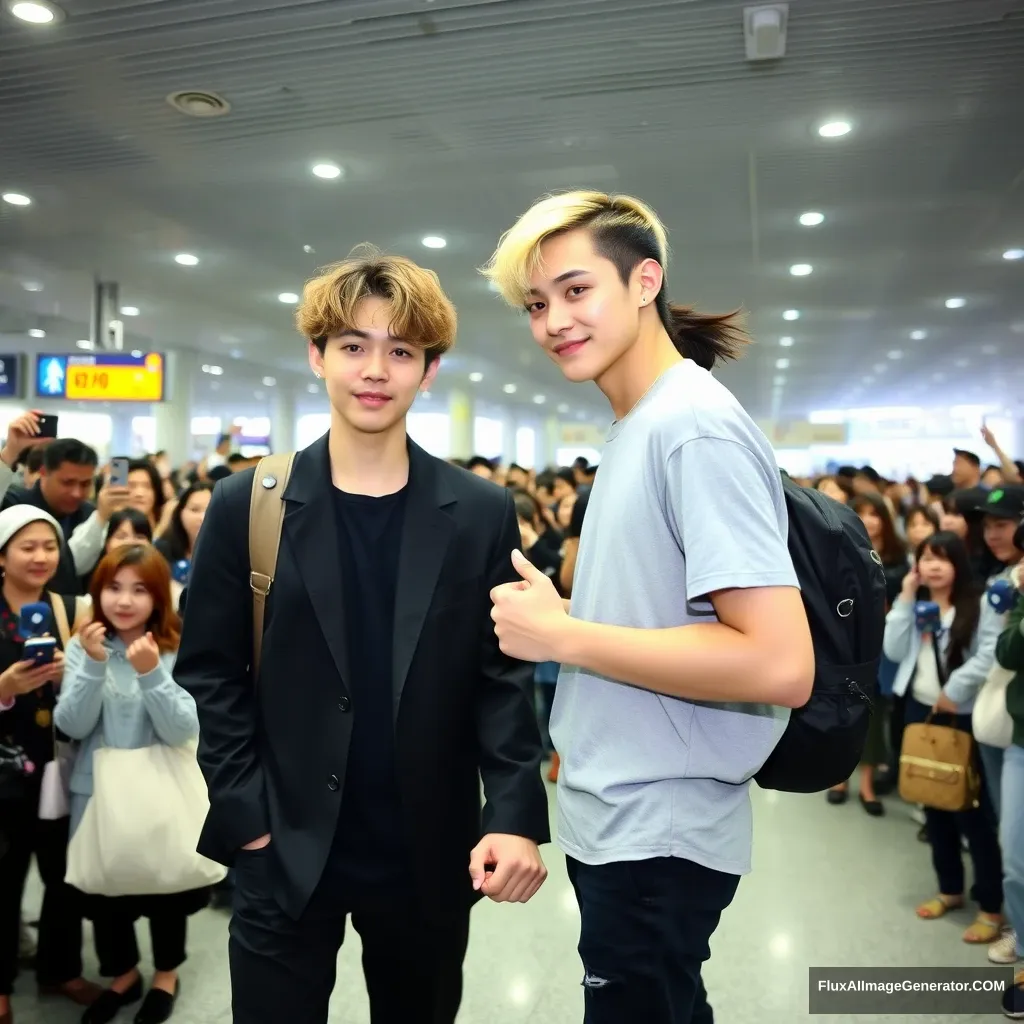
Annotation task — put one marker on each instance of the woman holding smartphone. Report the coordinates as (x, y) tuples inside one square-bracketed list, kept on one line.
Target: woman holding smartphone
[(30, 545)]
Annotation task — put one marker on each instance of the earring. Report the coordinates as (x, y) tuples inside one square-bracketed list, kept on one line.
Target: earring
[(643, 300), (318, 377)]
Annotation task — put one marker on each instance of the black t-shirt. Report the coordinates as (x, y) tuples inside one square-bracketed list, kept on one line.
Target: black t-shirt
[(579, 510), (369, 846)]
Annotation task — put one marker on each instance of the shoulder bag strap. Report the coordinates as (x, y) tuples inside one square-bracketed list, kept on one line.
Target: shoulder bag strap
[(266, 517)]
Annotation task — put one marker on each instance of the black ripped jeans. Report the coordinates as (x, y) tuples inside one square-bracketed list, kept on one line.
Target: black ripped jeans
[(645, 932)]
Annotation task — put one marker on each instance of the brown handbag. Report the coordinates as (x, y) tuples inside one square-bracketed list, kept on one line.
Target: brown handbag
[(938, 764)]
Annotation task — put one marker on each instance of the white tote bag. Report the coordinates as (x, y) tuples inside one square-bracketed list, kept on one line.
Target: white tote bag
[(139, 832), (53, 793), (990, 721)]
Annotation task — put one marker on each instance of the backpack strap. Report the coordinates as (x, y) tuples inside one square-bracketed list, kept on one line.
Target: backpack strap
[(60, 618), (266, 518)]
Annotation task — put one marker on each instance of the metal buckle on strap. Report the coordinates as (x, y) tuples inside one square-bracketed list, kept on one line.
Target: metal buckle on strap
[(260, 584)]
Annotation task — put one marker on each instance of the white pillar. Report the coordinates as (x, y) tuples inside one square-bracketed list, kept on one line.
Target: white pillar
[(508, 435), (173, 415), (460, 414), (549, 442), (282, 421)]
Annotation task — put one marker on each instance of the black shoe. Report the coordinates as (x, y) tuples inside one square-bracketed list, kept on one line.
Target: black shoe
[(158, 1006), (1013, 999), (110, 1004), (837, 796), (874, 807)]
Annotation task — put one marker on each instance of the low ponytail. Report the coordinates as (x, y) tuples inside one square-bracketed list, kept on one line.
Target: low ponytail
[(706, 338)]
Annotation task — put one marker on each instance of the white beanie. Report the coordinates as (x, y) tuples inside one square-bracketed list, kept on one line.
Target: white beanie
[(14, 519)]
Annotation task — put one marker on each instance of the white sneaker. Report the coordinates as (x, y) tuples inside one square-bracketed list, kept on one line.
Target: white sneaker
[(1004, 950)]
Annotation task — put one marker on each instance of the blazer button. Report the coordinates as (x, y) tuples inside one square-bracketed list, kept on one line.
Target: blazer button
[(344, 704), (333, 783)]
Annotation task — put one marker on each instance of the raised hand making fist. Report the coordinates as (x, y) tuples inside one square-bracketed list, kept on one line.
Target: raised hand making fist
[(144, 654), (91, 639)]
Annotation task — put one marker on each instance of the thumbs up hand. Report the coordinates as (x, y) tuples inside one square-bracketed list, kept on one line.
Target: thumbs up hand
[(530, 620)]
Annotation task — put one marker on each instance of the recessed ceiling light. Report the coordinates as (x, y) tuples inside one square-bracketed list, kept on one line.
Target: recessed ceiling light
[(308, 249), (129, 311), (313, 389), (779, 380), (476, 377), (36, 332), (84, 343), (786, 341), (327, 171), (215, 371), (955, 303), (16, 199), (539, 399), (186, 259), (800, 269), (427, 395), (811, 219), (199, 103), (435, 242), (896, 354), (288, 298), (791, 314), (962, 364), (35, 12), (236, 353), (834, 129), (136, 353), (269, 382), (563, 408), (879, 367), (781, 364), (989, 350), (509, 389), (1013, 254), (32, 286), (918, 335)]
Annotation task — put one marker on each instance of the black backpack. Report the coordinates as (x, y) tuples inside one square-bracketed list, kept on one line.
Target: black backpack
[(843, 589)]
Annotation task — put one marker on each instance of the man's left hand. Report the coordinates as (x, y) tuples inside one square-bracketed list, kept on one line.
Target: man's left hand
[(507, 869), (530, 619)]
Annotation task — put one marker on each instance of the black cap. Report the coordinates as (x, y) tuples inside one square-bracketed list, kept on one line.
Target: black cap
[(941, 485), (1005, 502)]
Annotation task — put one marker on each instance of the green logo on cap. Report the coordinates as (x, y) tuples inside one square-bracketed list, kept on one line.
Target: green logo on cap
[(996, 496)]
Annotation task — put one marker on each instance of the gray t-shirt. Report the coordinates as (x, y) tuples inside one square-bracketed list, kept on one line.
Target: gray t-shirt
[(688, 501)]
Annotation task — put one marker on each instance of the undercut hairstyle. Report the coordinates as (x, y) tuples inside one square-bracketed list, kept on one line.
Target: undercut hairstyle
[(419, 312), (626, 232), (68, 449)]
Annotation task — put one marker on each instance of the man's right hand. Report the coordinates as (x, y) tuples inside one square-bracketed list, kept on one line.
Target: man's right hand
[(111, 500), (258, 844), (22, 433)]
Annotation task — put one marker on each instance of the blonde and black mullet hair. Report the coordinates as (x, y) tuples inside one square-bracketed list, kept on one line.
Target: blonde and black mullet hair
[(626, 232), (420, 314)]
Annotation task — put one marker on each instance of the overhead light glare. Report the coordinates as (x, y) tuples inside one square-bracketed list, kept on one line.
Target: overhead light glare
[(1013, 254), (781, 364), (801, 269), (779, 380), (435, 242), (896, 354), (786, 341), (35, 12), (17, 199), (36, 332), (269, 382), (186, 259), (129, 311), (956, 302), (563, 408), (476, 377), (313, 389), (327, 171), (214, 371), (509, 389), (811, 219), (288, 298), (834, 129), (539, 399), (32, 286), (918, 335), (791, 314), (84, 343)]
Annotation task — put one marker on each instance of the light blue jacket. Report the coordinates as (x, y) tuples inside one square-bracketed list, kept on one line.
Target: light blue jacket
[(902, 644), (108, 704)]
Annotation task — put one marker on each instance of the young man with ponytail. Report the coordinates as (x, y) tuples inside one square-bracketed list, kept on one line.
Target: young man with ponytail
[(687, 640)]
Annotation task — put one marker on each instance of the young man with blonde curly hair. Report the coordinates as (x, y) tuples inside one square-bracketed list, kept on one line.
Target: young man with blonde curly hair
[(344, 780)]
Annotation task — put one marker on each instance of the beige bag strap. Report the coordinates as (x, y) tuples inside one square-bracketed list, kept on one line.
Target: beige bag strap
[(60, 618), (266, 517)]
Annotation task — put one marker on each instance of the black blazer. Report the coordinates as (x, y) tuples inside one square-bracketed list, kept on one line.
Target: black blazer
[(275, 755)]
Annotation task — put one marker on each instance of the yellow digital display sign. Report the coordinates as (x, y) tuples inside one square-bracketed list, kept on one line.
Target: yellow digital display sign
[(102, 376)]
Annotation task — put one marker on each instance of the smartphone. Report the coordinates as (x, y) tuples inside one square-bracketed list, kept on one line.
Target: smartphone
[(47, 425), (40, 649), (35, 619), (119, 472)]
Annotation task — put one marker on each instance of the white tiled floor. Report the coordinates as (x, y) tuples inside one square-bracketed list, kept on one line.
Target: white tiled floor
[(830, 887)]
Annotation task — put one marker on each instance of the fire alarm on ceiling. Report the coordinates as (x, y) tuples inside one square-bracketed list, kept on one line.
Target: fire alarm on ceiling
[(764, 28)]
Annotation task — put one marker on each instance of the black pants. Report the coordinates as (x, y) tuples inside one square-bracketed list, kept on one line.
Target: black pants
[(113, 922), (284, 970), (977, 825), (645, 932), (22, 834)]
